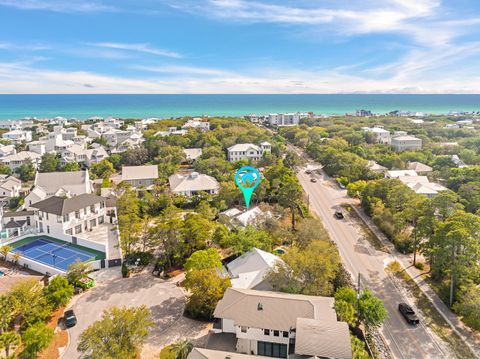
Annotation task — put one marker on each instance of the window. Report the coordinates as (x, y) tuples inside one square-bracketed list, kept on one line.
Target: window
[(85, 211), (93, 222), (266, 331), (276, 350), (47, 216), (77, 214), (276, 333), (101, 220), (102, 204), (243, 329), (66, 217), (78, 229), (92, 208), (285, 334), (69, 231)]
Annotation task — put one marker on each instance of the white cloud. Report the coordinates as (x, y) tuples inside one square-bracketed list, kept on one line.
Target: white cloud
[(182, 70), (22, 78), (69, 6), (145, 48)]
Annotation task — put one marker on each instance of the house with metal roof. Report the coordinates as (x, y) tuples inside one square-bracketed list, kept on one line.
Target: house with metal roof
[(193, 184), (67, 184), (282, 325), (140, 176), (249, 271)]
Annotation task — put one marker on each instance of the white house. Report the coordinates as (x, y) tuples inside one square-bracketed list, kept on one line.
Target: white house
[(248, 151), (234, 217), (140, 176), (192, 184), (282, 325), (18, 159), (419, 167), (375, 167), (198, 124), (381, 135), (7, 150), (249, 271), (70, 216), (171, 131), (192, 154), (9, 186), (17, 136), (67, 184), (406, 142), (84, 157), (458, 162), (37, 147), (400, 173)]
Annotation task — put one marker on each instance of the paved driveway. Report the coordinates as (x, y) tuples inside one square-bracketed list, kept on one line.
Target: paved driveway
[(164, 299)]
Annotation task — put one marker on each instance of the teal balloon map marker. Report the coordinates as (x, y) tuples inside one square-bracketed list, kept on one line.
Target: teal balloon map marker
[(247, 179)]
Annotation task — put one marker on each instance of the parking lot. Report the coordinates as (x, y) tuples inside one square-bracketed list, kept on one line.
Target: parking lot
[(164, 299)]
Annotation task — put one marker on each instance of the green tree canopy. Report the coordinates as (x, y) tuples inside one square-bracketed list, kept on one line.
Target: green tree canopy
[(119, 334), (203, 259), (58, 292)]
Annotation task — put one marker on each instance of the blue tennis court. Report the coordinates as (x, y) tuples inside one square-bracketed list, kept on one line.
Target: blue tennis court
[(53, 254)]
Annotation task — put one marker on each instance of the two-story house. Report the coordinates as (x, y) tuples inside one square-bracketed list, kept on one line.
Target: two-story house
[(16, 160), (69, 216), (282, 325), (248, 151), (49, 184), (18, 136)]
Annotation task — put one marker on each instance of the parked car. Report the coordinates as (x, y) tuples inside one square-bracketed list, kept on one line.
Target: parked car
[(70, 318), (408, 313), (339, 214), (313, 180)]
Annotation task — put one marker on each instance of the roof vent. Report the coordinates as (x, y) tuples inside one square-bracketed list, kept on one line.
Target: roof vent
[(260, 306), (194, 175)]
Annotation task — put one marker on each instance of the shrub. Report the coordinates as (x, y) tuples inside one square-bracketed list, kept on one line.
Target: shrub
[(419, 265), (145, 258)]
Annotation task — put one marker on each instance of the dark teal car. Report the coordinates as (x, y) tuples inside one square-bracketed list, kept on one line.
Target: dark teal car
[(70, 318)]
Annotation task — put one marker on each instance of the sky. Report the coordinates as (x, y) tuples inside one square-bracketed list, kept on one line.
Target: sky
[(239, 46)]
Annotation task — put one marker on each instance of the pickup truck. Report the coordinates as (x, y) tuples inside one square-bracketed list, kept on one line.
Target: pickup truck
[(408, 313)]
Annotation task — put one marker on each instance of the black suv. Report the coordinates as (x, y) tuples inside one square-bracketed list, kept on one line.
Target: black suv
[(408, 313), (70, 318), (339, 214)]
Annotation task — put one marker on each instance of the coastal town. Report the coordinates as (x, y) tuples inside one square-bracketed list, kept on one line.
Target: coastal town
[(139, 223)]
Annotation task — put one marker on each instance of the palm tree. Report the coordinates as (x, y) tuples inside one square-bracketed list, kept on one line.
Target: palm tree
[(4, 250), (16, 257), (182, 348)]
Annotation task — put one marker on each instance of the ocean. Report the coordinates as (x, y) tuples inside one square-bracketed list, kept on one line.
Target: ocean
[(165, 106)]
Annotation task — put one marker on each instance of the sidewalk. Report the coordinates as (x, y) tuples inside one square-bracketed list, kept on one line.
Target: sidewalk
[(469, 337)]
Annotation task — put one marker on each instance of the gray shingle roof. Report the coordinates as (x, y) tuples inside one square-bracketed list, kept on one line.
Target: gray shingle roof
[(278, 310), (61, 205), (323, 339)]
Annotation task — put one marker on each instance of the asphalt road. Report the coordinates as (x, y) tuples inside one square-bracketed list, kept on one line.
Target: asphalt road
[(359, 256)]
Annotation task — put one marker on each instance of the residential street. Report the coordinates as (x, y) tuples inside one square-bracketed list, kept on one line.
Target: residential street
[(359, 256)]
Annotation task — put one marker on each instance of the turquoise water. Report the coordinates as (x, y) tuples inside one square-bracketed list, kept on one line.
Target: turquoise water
[(140, 106)]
